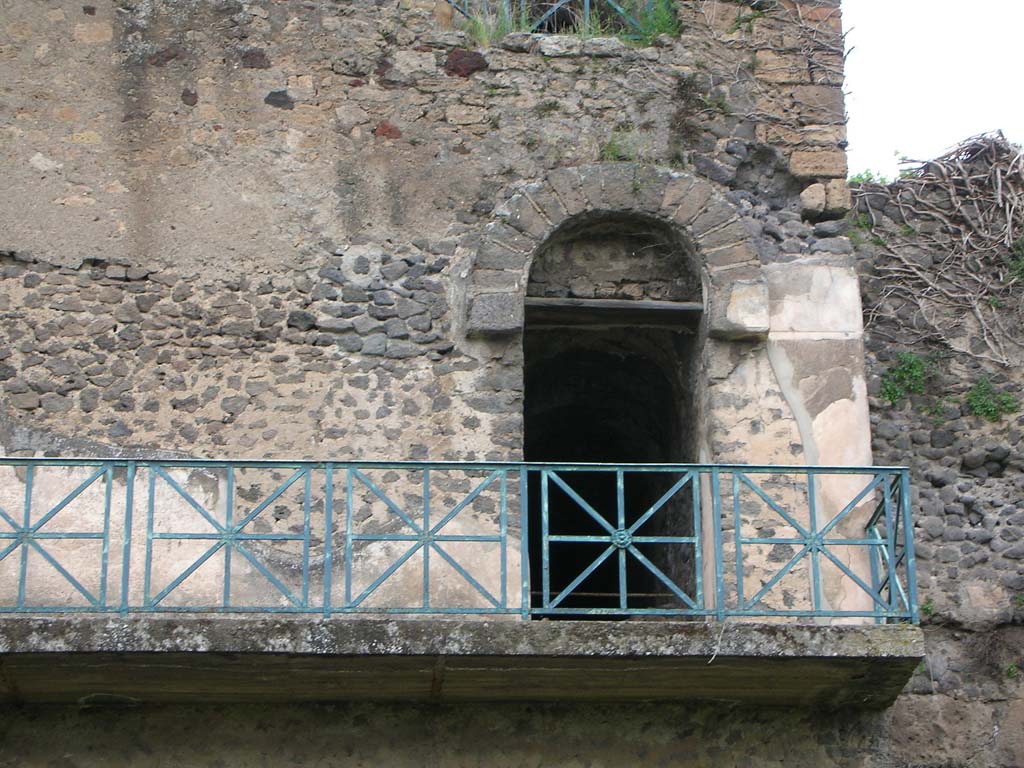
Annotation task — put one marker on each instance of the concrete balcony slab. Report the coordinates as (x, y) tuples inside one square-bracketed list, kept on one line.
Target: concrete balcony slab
[(184, 658)]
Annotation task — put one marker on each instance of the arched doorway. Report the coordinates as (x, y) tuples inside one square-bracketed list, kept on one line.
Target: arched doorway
[(610, 356)]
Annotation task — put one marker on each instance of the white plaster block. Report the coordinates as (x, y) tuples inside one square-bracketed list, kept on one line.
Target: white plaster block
[(814, 299)]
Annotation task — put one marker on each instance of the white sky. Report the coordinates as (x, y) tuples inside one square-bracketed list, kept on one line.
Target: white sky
[(922, 75)]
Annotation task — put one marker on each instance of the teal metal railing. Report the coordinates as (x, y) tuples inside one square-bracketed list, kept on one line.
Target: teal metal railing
[(586, 16), (527, 539)]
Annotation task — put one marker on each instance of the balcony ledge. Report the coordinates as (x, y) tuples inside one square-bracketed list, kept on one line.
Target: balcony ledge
[(144, 659)]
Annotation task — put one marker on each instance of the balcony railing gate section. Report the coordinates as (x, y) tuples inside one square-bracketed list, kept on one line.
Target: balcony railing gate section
[(422, 523)]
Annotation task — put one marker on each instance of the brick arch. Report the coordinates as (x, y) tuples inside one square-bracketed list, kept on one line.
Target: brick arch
[(735, 293)]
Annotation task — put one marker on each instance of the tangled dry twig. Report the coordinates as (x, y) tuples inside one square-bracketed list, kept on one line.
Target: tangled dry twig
[(951, 238)]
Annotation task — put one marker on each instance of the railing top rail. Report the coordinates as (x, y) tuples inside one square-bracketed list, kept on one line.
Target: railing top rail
[(442, 465)]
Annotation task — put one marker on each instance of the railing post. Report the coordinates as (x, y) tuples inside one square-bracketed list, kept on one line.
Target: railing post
[(307, 504), (698, 539), (149, 537), (348, 537), (908, 543), (524, 544), (620, 512), (426, 540), (126, 548), (503, 536), (229, 503), (716, 511), (544, 541), (873, 558), (737, 529), (26, 525), (328, 535), (108, 492), (812, 519)]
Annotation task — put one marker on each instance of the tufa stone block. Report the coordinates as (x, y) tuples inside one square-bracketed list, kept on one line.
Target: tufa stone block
[(812, 201), (741, 311), (837, 198), (782, 67), (495, 313), (809, 164)]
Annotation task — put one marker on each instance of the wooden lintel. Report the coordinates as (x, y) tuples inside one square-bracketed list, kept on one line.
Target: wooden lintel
[(562, 312)]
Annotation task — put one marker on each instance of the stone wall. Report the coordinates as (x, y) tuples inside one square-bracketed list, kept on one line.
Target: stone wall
[(304, 230), (260, 229), (237, 205), (965, 704), (963, 707)]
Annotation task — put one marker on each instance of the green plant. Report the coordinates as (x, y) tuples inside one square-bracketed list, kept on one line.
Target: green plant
[(547, 107), (1013, 671), (1019, 600), (863, 221), (716, 103), (616, 148), (868, 177), (928, 608), (485, 29), (907, 377), (985, 401), (660, 18), (994, 302), (1017, 262)]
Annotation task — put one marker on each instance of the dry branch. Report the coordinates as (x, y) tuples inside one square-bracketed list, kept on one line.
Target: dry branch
[(951, 263)]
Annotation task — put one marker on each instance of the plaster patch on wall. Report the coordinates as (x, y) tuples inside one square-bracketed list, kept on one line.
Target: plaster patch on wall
[(782, 366)]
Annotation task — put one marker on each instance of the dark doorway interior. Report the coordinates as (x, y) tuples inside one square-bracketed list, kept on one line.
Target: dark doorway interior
[(612, 395)]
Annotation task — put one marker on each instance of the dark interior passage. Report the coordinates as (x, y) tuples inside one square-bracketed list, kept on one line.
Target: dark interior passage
[(610, 396)]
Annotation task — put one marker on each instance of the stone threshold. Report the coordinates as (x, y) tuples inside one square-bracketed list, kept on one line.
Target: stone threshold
[(185, 658)]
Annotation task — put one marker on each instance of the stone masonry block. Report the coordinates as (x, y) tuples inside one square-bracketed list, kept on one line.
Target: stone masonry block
[(557, 46), (741, 311), (775, 67), (497, 279), (509, 238), (808, 135), (715, 215), (837, 198), (726, 256), (678, 187), (730, 234), (607, 185), (495, 313), (494, 255), (592, 184), (812, 201), (523, 216), (692, 203), (805, 164), (565, 182), (548, 202), (819, 103), (648, 187), (814, 299)]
